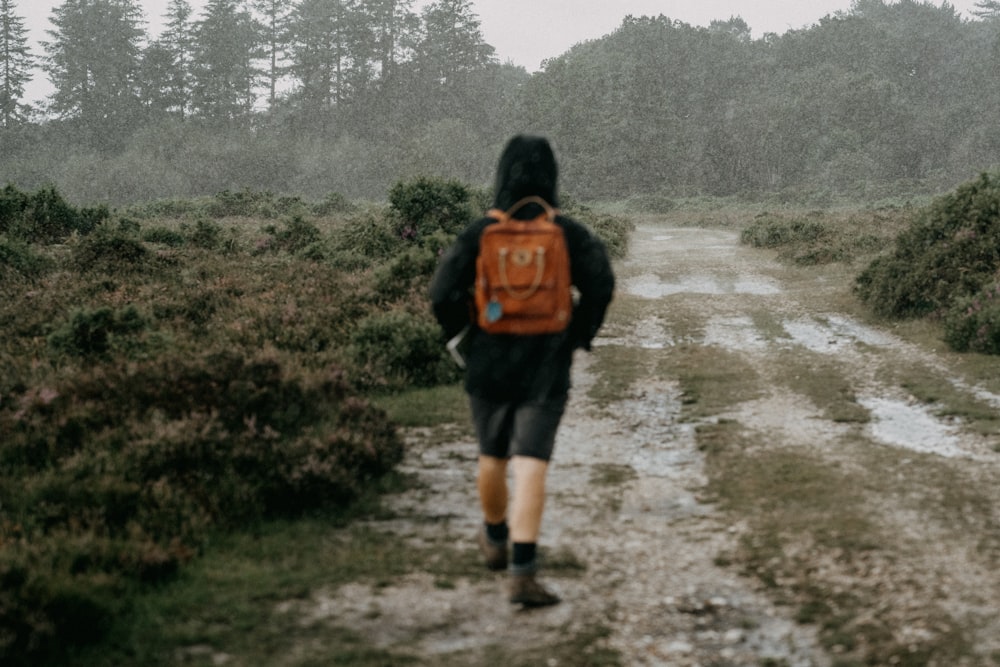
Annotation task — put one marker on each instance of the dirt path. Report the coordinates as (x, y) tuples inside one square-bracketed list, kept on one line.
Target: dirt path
[(636, 547)]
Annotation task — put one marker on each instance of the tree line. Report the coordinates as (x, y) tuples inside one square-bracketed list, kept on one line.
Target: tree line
[(350, 95)]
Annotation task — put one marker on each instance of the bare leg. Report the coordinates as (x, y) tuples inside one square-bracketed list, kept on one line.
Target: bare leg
[(492, 484), (529, 498), (525, 526)]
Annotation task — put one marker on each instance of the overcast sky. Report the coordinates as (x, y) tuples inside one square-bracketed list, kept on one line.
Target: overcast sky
[(528, 31)]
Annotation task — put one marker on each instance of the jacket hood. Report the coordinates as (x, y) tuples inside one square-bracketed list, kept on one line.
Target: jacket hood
[(527, 168)]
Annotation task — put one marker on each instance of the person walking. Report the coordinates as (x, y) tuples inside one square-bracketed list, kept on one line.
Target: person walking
[(517, 384)]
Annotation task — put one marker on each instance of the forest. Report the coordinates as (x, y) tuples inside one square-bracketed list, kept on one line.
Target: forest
[(318, 96)]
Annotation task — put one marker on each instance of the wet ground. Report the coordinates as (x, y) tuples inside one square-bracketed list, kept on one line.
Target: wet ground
[(627, 482)]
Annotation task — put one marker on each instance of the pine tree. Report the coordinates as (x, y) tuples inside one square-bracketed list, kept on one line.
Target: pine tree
[(225, 48), (15, 66), (394, 27), (176, 40), (94, 62), (328, 45), (275, 32), (452, 43), (987, 9)]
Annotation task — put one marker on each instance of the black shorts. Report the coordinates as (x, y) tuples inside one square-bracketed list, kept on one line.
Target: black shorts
[(517, 429)]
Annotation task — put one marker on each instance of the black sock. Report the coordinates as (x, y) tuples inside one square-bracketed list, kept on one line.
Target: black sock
[(523, 553), (497, 532)]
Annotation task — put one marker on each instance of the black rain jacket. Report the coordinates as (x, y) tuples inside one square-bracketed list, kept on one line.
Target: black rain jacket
[(512, 368)]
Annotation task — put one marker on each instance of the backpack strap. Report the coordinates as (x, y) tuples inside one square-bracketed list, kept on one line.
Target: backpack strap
[(533, 199)]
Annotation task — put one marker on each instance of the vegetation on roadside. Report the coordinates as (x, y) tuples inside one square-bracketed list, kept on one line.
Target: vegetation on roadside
[(823, 237), (939, 261), (945, 266), (179, 371)]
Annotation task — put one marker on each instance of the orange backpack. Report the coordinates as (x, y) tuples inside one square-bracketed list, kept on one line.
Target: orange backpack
[(522, 274)]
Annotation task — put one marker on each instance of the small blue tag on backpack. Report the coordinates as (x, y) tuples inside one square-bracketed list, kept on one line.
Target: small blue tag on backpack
[(494, 311)]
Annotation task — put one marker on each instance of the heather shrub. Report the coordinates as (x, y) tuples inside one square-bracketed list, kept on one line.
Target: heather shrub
[(112, 476), (297, 236), (44, 216), (950, 252), (164, 236), (229, 393), (366, 239), (47, 603), (399, 349), (973, 323), (245, 203), (772, 231), (207, 234), (425, 205), (408, 273), (250, 203), (613, 230), (822, 237), (97, 332), (109, 250), (17, 258)]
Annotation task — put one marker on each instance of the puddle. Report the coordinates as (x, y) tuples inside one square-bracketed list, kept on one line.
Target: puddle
[(834, 334), (651, 286), (913, 427)]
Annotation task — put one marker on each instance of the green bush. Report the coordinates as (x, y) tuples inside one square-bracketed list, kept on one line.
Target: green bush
[(949, 253), (207, 234), (245, 203), (111, 251), (44, 216), (822, 237), (398, 349), (112, 476), (425, 205), (297, 236), (973, 323), (770, 231), (164, 236), (95, 333), (406, 274), (17, 257), (613, 230), (249, 203), (366, 239)]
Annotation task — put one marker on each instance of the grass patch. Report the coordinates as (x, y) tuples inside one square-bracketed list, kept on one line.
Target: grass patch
[(616, 369), (712, 379), (425, 407), (815, 542), (228, 602), (949, 400), (823, 381)]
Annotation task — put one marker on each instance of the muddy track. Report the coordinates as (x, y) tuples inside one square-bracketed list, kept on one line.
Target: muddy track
[(636, 545)]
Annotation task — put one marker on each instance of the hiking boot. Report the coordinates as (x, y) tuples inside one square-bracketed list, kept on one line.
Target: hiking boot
[(494, 554), (525, 590)]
